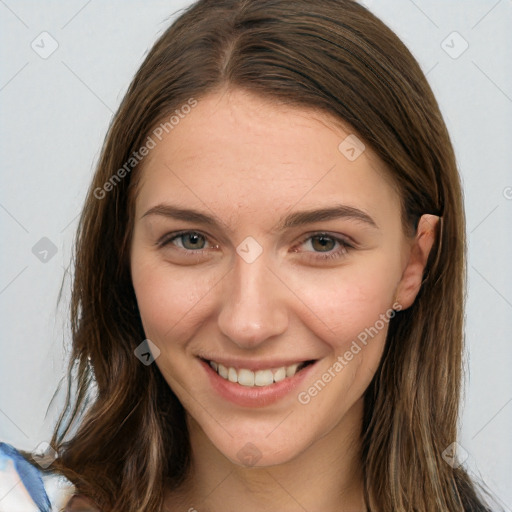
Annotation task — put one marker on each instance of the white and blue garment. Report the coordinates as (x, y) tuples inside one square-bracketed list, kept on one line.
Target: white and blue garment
[(25, 488)]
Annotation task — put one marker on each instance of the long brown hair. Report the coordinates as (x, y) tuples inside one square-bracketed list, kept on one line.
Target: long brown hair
[(122, 439)]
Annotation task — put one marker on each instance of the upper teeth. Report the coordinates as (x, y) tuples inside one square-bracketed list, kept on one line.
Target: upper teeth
[(259, 378)]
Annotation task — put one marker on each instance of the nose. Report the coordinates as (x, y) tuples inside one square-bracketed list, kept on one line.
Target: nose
[(253, 307)]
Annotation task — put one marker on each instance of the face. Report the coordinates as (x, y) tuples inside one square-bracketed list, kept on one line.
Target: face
[(270, 319)]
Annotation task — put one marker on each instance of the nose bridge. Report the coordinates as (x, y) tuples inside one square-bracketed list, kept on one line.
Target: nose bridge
[(252, 306)]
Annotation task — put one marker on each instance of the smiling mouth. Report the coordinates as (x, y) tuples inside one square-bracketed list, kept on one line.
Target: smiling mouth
[(265, 377)]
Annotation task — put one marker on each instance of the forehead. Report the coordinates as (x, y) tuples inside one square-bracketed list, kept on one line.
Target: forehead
[(237, 153)]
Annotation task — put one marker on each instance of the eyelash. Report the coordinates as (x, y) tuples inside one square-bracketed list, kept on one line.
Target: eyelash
[(345, 246)]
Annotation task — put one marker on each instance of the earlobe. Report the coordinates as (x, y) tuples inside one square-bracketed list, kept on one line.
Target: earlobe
[(412, 277)]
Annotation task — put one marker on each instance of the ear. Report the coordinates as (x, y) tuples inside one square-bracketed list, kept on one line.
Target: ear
[(412, 277)]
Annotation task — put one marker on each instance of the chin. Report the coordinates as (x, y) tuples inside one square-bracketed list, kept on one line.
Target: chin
[(248, 451)]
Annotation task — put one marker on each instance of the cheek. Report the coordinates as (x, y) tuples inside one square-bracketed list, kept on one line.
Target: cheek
[(168, 299), (352, 314), (347, 301)]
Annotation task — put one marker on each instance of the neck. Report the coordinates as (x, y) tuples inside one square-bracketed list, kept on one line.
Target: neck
[(326, 476)]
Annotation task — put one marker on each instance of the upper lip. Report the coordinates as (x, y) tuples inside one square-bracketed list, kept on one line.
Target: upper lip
[(253, 364)]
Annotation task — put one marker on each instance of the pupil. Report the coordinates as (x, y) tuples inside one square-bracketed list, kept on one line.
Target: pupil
[(325, 242), (193, 238)]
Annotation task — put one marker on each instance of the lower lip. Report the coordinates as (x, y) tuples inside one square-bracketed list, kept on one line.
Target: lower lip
[(256, 396)]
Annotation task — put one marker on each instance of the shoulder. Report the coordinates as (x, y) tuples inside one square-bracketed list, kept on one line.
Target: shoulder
[(27, 488)]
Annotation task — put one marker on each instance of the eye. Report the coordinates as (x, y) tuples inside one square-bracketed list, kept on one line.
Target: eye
[(325, 246), (192, 241)]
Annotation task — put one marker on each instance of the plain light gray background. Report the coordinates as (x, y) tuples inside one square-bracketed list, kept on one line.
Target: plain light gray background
[(54, 115)]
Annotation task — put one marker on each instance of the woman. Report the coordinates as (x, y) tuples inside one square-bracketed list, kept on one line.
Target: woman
[(267, 309)]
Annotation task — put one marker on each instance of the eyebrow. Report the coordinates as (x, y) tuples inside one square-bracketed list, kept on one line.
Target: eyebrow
[(293, 220)]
